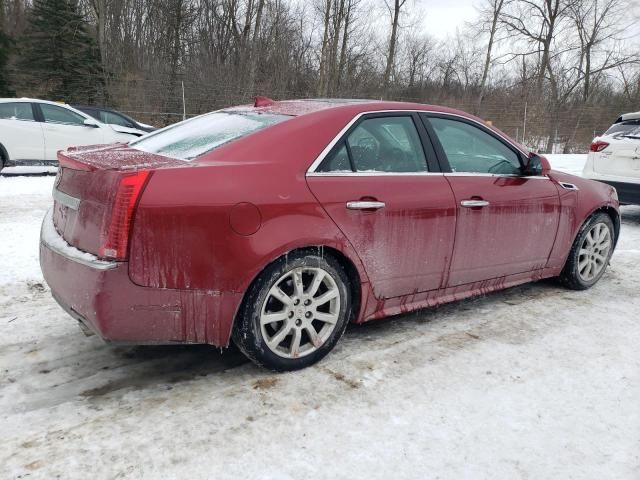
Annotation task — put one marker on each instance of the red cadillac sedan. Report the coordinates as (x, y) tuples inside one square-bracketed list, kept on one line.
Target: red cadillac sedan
[(276, 224)]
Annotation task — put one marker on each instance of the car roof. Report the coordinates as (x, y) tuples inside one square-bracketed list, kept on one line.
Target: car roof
[(628, 116), (311, 105)]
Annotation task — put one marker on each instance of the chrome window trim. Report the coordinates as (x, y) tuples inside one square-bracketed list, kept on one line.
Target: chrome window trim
[(311, 171), (374, 174), (496, 175)]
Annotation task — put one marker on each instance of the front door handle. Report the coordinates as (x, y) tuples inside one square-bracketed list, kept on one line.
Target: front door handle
[(365, 205), (474, 203)]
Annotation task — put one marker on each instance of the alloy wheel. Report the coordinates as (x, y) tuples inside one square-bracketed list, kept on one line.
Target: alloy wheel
[(300, 312), (594, 252)]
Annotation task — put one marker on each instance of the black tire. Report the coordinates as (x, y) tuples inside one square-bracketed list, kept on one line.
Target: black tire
[(247, 332), (570, 276), (3, 158)]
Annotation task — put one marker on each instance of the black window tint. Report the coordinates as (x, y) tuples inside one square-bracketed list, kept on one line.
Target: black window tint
[(387, 144), (336, 161), (54, 114), (16, 111), (470, 149), (115, 119)]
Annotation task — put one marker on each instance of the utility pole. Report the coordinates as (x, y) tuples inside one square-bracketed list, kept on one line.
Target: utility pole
[(184, 107)]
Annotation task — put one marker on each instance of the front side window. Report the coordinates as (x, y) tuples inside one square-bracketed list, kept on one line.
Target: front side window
[(383, 144), (115, 119), (16, 111), (470, 149), (54, 114), (197, 136)]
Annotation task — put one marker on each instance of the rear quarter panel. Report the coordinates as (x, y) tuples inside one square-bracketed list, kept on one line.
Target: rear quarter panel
[(183, 237)]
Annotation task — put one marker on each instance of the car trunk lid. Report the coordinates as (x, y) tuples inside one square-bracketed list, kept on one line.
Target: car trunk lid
[(95, 192), (621, 158)]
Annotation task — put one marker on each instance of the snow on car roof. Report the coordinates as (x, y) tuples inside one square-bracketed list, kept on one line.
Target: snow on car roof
[(628, 116)]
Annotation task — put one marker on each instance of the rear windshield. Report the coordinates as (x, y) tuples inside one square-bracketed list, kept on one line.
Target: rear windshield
[(629, 128), (197, 136)]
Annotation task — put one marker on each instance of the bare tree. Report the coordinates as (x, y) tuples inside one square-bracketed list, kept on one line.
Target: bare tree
[(394, 12), (600, 23), (489, 22)]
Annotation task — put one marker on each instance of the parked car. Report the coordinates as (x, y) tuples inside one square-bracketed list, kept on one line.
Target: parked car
[(117, 119), (32, 131), (276, 224), (614, 158)]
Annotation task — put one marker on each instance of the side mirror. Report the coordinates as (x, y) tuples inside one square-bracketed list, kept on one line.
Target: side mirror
[(536, 165), (90, 123)]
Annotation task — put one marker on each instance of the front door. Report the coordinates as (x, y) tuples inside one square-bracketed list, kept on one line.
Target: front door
[(376, 186), (64, 128), (507, 222)]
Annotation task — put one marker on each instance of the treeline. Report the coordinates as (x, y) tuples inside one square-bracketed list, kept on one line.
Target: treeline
[(551, 72)]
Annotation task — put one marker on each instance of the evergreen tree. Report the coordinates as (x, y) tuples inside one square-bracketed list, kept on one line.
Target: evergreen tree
[(59, 54), (6, 44)]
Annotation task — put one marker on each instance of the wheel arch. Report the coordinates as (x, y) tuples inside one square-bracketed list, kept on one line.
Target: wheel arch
[(4, 156), (348, 264), (613, 214)]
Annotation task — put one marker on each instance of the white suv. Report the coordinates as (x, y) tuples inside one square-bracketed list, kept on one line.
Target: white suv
[(614, 158), (32, 131)]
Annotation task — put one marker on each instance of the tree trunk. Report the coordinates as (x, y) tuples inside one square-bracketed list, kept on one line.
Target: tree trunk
[(497, 7), (392, 44), (253, 54), (322, 87)]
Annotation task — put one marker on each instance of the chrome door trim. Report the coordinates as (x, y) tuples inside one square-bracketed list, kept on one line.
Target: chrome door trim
[(365, 205), (374, 174), (474, 203), (316, 163), (67, 200)]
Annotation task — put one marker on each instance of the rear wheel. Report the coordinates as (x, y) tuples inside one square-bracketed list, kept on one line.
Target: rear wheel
[(3, 158), (590, 253), (294, 313)]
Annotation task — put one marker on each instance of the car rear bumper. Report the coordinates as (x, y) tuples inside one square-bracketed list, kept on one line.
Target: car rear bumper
[(101, 296)]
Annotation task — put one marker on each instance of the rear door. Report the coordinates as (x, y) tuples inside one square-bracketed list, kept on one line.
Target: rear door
[(506, 222), (20, 134), (382, 188), (64, 128)]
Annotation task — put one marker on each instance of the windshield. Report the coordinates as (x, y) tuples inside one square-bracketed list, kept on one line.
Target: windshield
[(629, 128), (197, 136)]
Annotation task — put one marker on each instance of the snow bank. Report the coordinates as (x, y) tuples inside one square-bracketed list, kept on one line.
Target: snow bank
[(570, 163)]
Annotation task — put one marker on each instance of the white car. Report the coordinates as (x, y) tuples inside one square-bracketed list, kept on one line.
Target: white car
[(614, 158), (32, 131)]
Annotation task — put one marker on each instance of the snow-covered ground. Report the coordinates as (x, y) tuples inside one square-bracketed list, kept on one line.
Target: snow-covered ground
[(536, 382)]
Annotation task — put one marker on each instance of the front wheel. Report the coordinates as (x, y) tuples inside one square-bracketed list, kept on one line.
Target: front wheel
[(590, 253), (294, 313)]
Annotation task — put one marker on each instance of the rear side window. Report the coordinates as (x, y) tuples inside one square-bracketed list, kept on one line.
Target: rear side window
[(629, 128), (383, 144), (197, 136), (16, 111)]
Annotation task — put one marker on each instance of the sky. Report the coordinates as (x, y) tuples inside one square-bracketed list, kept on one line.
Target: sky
[(442, 18)]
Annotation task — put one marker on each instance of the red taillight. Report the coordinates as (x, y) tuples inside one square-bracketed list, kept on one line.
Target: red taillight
[(116, 238), (598, 146)]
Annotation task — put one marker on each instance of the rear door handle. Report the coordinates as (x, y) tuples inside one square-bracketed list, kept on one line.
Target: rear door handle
[(365, 205), (474, 203)]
